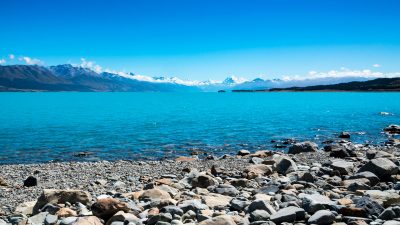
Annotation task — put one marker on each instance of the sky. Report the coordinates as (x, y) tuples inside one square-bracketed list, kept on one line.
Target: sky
[(205, 39)]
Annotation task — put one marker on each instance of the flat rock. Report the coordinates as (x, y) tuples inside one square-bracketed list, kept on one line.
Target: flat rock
[(315, 202), (381, 167), (300, 147), (289, 215), (284, 164), (216, 200), (219, 220), (384, 198), (154, 194), (54, 196), (105, 208), (257, 170), (88, 220), (344, 167)]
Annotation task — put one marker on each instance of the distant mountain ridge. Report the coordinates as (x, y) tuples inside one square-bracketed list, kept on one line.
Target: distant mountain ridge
[(75, 78)]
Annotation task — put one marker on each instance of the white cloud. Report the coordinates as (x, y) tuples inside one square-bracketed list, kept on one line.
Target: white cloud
[(91, 65), (2, 61), (31, 61), (343, 72), (11, 56), (376, 65)]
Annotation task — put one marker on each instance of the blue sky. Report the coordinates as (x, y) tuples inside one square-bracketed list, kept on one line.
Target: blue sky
[(205, 39)]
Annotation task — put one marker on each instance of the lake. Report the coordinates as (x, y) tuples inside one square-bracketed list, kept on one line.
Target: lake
[(42, 127)]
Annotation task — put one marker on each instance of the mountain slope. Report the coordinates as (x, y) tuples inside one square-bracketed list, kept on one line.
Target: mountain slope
[(71, 78), (380, 84)]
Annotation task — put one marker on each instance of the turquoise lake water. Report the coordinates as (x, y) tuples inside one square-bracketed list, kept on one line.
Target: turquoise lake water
[(40, 127)]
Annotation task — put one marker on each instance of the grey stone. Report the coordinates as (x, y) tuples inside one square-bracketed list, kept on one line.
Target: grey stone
[(373, 179), (259, 215), (51, 219), (315, 202), (289, 214), (173, 210), (300, 147), (387, 214), (284, 165), (68, 220), (342, 166), (261, 205), (381, 167), (322, 217)]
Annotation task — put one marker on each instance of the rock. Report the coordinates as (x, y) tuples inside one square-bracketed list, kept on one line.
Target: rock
[(289, 214), (155, 194), (105, 208), (68, 220), (219, 220), (322, 217), (315, 202), (300, 147), (194, 205), (384, 198), (370, 206), (66, 212), (185, 159), (87, 220), (37, 219), (387, 214), (239, 204), (3, 182), (381, 167), (227, 189), (344, 135), (261, 205), (216, 170), (30, 181), (373, 179), (51, 219), (216, 200), (342, 166), (284, 164), (203, 181), (243, 152), (173, 210), (25, 208), (392, 129), (122, 216), (391, 222), (259, 215), (54, 196), (254, 171), (340, 151)]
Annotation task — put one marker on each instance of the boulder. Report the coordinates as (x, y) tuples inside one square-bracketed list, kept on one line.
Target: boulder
[(54, 196), (384, 198), (25, 208), (122, 217), (381, 167), (227, 189), (203, 181), (322, 217), (373, 179), (392, 129), (105, 208), (300, 147), (344, 167), (155, 194), (243, 152), (30, 181), (261, 205), (289, 215), (219, 220), (259, 215), (216, 200), (284, 164), (344, 135), (315, 202), (369, 205), (257, 170), (88, 220)]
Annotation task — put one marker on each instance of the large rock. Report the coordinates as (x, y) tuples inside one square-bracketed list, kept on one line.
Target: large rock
[(322, 217), (344, 167), (392, 129), (105, 208), (154, 195), (254, 171), (216, 200), (300, 147), (259, 215), (284, 164), (122, 217), (315, 202), (373, 179), (25, 208), (219, 220), (381, 167), (54, 196), (384, 198), (88, 220), (370, 206), (203, 181), (289, 215), (261, 205)]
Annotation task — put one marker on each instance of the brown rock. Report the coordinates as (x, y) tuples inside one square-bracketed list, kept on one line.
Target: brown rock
[(154, 195), (219, 220), (66, 212), (54, 196), (203, 181), (122, 216), (354, 212), (216, 200), (3, 182), (254, 171), (345, 201), (105, 208), (185, 159)]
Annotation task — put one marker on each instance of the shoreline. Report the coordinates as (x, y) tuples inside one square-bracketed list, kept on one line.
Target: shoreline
[(245, 188)]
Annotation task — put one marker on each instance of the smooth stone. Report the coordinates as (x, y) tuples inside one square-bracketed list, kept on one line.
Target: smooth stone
[(289, 214), (381, 167), (322, 217), (342, 166), (258, 215), (51, 219), (315, 202), (284, 164), (261, 205), (219, 220), (301, 147)]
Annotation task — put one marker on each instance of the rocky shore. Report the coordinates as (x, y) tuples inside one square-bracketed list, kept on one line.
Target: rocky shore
[(338, 183)]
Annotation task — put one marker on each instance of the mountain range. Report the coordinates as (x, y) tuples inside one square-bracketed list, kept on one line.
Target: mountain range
[(75, 78)]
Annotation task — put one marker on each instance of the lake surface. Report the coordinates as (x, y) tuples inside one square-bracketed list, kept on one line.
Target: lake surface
[(40, 127)]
